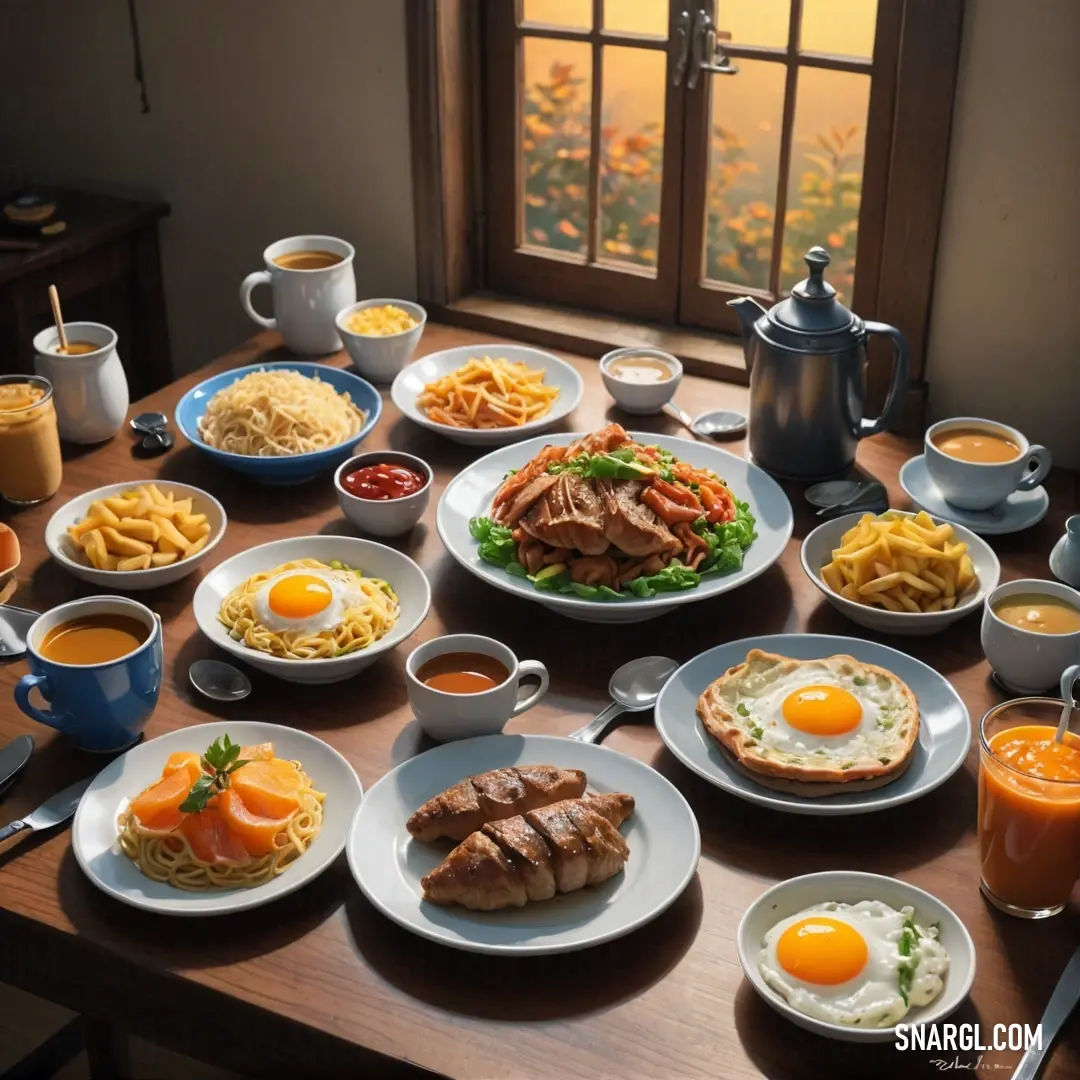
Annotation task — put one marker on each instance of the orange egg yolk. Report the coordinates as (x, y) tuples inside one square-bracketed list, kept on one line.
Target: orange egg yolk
[(822, 951), (299, 595), (822, 710)]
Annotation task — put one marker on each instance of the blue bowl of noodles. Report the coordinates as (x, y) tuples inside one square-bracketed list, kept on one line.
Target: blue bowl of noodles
[(249, 435)]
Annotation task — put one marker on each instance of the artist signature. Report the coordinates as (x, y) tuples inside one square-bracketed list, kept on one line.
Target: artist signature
[(947, 1064)]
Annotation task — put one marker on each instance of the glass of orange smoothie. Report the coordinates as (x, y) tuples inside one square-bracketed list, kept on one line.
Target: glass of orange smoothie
[(1029, 808), (30, 465)]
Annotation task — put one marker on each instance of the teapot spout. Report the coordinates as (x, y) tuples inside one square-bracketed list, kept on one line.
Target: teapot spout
[(749, 311)]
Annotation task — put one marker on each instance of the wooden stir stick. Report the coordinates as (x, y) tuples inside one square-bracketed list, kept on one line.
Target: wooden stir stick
[(54, 299)]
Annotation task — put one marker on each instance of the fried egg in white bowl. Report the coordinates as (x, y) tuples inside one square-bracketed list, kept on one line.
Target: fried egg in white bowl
[(814, 726), (850, 955), (312, 609)]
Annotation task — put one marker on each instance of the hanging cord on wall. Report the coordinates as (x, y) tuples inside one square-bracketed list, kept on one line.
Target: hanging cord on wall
[(136, 46)]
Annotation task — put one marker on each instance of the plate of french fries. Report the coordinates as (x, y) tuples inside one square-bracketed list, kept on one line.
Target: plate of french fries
[(898, 572), (136, 536)]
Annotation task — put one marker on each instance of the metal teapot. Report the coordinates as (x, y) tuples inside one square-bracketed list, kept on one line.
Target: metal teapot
[(807, 363)]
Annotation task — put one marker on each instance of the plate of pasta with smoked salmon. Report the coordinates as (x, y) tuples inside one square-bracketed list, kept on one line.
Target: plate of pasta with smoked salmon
[(215, 818), (614, 526)]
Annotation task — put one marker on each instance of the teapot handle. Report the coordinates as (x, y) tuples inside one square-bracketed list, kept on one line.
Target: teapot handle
[(896, 386)]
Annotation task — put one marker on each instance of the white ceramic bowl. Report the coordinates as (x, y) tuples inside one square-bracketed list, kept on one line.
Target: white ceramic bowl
[(817, 550), (849, 887), (376, 560), (384, 517), (410, 383), (64, 550), (381, 356), (641, 398)]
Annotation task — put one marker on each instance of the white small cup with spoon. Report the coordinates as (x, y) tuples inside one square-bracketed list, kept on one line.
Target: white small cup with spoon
[(463, 685)]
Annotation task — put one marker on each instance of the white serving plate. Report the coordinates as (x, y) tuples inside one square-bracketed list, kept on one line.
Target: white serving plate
[(944, 729), (388, 863), (93, 836), (817, 550), (849, 887), (62, 548), (410, 382), (470, 493), (376, 560)]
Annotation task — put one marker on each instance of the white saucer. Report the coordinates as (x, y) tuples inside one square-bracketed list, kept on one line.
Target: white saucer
[(1020, 510)]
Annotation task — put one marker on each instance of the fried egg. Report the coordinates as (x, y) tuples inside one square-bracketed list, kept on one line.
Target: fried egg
[(862, 964), (309, 601), (834, 713)]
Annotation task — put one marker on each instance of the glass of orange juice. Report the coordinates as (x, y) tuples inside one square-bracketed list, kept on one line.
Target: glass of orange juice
[(1029, 808)]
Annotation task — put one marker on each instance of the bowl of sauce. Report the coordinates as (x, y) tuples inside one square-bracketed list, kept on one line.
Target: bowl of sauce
[(1031, 633), (383, 492), (641, 379)]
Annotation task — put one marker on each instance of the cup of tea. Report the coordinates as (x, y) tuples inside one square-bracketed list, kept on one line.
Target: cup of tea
[(1029, 808), (464, 685), (1031, 633), (97, 663), (311, 279), (977, 464)]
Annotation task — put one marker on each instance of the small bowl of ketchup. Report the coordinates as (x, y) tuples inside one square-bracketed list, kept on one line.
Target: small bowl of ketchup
[(383, 492)]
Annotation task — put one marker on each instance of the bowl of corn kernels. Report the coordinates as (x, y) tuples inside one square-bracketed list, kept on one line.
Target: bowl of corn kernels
[(381, 335)]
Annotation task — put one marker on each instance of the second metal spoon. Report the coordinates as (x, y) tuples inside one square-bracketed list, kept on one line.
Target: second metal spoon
[(634, 687)]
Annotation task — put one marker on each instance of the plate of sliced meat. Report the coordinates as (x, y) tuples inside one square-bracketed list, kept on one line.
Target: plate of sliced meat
[(523, 845), (614, 526)]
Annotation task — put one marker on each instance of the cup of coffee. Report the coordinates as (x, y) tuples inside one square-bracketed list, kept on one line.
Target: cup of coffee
[(1031, 633), (98, 663), (977, 464), (311, 279), (464, 685)]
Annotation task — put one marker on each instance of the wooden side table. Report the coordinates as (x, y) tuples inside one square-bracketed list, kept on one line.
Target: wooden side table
[(109, 244)]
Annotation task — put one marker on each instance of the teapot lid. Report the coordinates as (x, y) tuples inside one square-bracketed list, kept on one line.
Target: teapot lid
[(812, 307)]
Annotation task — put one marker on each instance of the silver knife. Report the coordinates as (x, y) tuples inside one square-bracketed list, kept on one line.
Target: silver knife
[(51, 812), (12, 759), (1062, 1002)]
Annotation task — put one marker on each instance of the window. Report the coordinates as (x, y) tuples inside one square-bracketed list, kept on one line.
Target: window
[(612, 167)]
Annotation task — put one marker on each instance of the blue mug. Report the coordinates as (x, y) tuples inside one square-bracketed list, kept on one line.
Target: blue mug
[(101, 707)]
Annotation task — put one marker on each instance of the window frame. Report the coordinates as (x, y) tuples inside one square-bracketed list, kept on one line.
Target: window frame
[(905, 168)]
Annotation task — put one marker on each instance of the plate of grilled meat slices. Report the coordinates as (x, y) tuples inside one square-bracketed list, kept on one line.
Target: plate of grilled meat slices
[(614, 526), (523, 845)]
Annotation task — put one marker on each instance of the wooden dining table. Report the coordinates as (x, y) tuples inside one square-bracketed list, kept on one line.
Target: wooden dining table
[(320, 982)]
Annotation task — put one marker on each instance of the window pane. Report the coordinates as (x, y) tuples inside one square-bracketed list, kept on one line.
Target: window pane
[(633, 151), (555, 143), (839, 26), (825, 185), (755, 22), (576, 14), (637, 16), (744, 161)]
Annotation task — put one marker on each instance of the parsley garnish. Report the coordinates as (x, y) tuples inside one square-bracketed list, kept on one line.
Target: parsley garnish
[(222, 757)]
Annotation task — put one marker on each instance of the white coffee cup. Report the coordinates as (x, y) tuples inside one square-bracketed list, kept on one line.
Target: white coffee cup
[(306, 302), (446, 716), (978, 485), (1028, 661)]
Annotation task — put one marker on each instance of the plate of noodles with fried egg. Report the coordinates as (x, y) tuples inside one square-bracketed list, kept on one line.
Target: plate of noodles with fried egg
[(488, 394), (613, 525), (279, 423), (312, 609), (814, 724), (215, 818)]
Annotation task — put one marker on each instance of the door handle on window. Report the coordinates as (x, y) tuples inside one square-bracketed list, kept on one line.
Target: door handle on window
[(682, 44), (707, 55)]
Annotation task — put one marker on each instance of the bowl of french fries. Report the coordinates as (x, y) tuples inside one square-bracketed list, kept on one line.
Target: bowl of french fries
[(136, 536), (900, 573)]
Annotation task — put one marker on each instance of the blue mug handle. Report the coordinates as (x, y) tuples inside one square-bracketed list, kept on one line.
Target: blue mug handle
[(42, 716)]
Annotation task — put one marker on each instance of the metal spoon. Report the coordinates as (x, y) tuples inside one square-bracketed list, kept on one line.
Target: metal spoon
[(718, 424), (15, 623), (1062, 1002), (862, 492), (218, 680), (152, 426), (1068, 695), (635, 687)]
